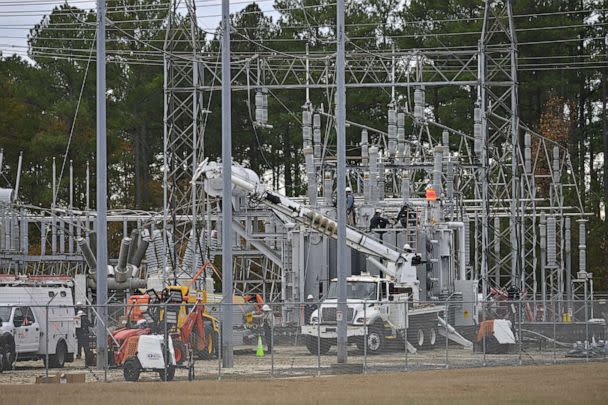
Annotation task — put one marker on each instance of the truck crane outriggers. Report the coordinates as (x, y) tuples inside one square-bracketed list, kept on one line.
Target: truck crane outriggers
[(379, 308)]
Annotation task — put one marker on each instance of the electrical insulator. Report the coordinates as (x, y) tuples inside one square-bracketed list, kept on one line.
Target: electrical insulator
[(364, 147), (551, 241), (400, 135), (478, 141), (527, 153), (419, 103), (306, 128), (381, 174), (265, 110), (556, 170), (316, 133), (261, 106), (392, 131)]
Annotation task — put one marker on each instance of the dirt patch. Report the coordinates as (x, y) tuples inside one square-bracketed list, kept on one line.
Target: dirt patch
[(575, 383)]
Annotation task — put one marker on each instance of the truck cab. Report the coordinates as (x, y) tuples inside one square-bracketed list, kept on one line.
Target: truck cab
[(21, 323), (378, 309)]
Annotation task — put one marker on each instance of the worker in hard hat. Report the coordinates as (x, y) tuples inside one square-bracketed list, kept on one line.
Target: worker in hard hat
[(414, 258), (406, 215), (430, 193), (378, 222), (309, 308), (350, 207), (82, 335), (268, 323)]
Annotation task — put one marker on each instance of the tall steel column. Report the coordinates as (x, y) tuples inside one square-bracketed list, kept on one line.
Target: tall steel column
[(342, 271), (102, 230), (516, 237), (483, 172), (227, 353), (183, 144)]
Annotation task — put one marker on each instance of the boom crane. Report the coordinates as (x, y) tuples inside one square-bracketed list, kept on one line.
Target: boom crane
[(376, 314), (397, 265)]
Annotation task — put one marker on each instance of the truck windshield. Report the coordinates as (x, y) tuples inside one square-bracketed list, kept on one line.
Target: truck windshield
[(358, 290), (5, 313)]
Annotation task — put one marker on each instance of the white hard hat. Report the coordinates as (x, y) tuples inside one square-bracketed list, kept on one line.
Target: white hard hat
[(78, 303), (378, 211), (265, 308), (141, 323), (407, 247), (348, 190), (80, 312), (310, 297)]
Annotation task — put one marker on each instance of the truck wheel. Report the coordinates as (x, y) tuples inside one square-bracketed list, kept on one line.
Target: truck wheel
[(312, 344), (170, 374), (7, 347), (9, 357), (431, 337), (419, 338), (57, 360), (375, 341), (131, 369)]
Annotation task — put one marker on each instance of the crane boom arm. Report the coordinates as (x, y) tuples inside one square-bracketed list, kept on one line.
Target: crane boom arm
[(396, 263)]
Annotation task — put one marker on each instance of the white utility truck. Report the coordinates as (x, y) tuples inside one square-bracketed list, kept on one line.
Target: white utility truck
[(376, 314), (385, 315), (37, 318)]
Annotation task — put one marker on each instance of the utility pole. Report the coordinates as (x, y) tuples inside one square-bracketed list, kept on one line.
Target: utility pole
[(227, 354), (342, 271), (605, 123), (102, 231)]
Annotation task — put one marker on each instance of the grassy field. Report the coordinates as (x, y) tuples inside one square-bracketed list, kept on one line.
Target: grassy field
[(580, 383)]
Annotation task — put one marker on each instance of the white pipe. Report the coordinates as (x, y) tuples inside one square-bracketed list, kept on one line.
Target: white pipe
[(461, 247)]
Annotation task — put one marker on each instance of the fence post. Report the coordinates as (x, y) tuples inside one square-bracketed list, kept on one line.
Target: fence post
[(46, 339), (272, 347), (365, 337), (519, 329), (105, 355), (166, 339), (483, 337), (319, 339), (405, 333), (220, 339), (555, 330), (447, 341), (587, 345)]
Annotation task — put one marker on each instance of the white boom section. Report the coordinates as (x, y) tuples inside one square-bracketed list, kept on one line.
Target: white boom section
[(245, 181)]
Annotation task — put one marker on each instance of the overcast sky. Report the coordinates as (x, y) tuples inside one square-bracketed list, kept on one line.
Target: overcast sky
[(17, 17)]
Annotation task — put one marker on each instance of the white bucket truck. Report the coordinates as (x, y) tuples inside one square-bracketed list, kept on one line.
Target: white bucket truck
[(36, 319)]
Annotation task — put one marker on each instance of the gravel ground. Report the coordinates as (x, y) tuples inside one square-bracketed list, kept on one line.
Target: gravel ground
[(570, 383)]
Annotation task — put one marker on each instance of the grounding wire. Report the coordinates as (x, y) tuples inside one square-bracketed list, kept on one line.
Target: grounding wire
[(67, 148)]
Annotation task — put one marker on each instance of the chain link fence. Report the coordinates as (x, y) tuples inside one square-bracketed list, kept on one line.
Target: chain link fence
[(183, 340)]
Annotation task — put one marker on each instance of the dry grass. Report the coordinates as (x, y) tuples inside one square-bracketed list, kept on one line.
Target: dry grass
[(581, 383)]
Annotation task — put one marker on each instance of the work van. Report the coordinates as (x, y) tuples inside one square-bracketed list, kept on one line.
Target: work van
[(34, 321)]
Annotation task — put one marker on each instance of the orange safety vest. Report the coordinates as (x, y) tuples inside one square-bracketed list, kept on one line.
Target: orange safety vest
[(431, 195)]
